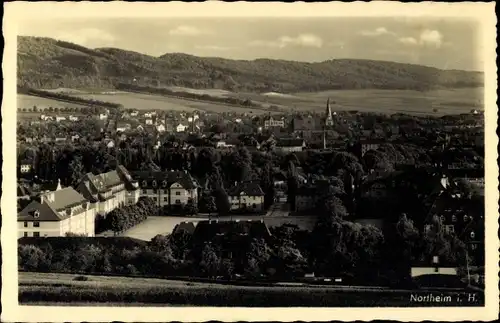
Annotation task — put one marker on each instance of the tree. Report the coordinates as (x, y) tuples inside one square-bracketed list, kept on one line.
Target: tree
[(76, 171), (210, 262), (222, 201), (258, 257), (207, 204), (190, 208)]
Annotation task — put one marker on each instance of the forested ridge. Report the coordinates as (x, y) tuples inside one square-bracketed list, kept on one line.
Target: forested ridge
[(48, 63)]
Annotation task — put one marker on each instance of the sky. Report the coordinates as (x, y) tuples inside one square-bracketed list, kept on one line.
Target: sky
[(443, 43)]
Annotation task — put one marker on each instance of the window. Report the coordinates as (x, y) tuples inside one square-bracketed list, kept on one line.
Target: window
[(36, 224), (177, 193), (144, 191), (154, 183), (36, 234), (254, 205), (25, 224), (155, 191), (25, 234), (472, 235), (177, 201), (165, 199), (165, 191)]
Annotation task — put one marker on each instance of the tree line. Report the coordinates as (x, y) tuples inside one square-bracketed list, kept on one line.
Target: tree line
[(359, 253)]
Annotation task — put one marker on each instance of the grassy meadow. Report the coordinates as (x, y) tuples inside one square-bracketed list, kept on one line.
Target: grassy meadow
[(57, 289)]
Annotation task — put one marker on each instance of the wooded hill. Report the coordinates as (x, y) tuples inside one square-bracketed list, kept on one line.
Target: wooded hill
[(49, 63)]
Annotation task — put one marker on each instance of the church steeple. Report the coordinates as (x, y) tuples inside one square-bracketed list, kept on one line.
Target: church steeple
[(328, 114)]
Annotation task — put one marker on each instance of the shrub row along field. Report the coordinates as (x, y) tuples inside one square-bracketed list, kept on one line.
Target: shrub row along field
[(47, 288)]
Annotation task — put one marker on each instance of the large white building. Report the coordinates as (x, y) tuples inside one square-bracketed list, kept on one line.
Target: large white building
[(57, 213), (109, 190)]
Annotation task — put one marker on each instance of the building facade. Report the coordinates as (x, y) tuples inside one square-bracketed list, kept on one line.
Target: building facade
[(246, 197), (167, 188), (110, 190), (56, 214), (270, 122)]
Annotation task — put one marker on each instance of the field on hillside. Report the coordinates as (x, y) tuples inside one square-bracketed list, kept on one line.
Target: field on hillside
[(56, 289), (155, 225), (28, 101), (447, 101), (141, 101)]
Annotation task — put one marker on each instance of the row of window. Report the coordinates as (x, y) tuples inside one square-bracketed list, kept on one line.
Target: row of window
[(454, 218), (36, 224), (155, 191), (165, 199), (35, 234)]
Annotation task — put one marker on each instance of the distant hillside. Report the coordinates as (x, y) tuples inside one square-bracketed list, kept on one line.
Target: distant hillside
[(48, 63)]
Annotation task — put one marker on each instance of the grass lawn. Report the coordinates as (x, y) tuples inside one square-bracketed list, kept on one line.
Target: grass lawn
[(155, 225), (55, 289)]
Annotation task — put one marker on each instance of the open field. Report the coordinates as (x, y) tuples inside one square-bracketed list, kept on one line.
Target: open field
[(28, 101), (142, 101), (447, 101), (211, 92), (56, 289), (155, 225)]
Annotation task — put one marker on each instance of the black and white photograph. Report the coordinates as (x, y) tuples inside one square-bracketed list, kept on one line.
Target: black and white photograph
[(210, 159)]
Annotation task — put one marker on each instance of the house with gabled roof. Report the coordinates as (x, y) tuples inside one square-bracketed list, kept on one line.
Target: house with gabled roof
[(247, 196), (109, 190), (57, 213), (290, 144), (168, 188)]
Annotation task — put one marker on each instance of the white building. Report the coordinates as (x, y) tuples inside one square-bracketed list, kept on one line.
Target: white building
[(109, 190), (160, 128), (246, 196), (73, 118), (57, 213), (270, 122), (180, 128), (59, 118)]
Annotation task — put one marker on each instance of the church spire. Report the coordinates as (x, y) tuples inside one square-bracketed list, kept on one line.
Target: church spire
[(328, 116)]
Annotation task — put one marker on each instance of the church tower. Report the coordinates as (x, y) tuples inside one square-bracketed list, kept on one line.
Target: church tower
[(328, 121), (328, 115)]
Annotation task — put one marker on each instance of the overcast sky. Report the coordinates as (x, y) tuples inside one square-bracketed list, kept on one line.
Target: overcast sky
[(446, 44)]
